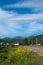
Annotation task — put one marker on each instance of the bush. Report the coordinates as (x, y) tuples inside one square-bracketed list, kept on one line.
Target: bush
[(20, 56)]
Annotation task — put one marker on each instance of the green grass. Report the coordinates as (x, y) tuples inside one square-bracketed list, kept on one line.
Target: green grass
[(9, 57)]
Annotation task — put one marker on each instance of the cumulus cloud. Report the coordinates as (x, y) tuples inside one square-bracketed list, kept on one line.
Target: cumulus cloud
[(27, 4), (35, 5), (34, 27), (14, 24), (6, 27), (29, 17), (15, 17)]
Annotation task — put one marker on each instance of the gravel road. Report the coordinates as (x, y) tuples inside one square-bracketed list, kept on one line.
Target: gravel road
[(37, 49)]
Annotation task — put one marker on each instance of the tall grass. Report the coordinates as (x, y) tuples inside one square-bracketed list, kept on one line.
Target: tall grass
[(19, 56)]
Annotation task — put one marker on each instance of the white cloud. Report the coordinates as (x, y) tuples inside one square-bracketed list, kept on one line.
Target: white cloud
[(8, 27), (28, 17), (34, 27), (26, 4), (35, 5), (10, 23), (14, 17), (4, 14)]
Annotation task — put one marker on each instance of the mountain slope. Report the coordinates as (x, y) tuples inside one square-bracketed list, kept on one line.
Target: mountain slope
[(36, 39)]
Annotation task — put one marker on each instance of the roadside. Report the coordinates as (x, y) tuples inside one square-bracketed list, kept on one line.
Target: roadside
[(38, 49)]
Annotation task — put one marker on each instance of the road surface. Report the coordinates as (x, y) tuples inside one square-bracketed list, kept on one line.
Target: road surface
[(37, 49)]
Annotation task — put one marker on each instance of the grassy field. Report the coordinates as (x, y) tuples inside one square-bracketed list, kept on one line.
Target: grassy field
[(19, 56)]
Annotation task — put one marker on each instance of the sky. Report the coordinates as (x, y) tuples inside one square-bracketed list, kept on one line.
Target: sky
[(21, 18)]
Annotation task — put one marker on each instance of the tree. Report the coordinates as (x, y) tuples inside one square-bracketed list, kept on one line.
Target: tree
[(25, 41)]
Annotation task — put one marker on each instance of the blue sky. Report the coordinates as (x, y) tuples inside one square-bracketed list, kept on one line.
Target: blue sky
[(21, 17)]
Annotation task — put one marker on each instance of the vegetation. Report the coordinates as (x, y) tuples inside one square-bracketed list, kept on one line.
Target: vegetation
[(25, 41), (34, 39), (19, 56), (38, 39)]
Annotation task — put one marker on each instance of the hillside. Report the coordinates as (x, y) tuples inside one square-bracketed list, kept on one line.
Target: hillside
[(10, 40), (36, 39)]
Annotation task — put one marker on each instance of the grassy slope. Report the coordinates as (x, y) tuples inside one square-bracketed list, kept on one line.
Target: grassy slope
[(19, 56)]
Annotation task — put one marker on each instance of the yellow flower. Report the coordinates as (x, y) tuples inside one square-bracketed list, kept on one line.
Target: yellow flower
[(17, 51)]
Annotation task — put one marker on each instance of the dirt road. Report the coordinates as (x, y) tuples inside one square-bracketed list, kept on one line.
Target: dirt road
[(37, 49)]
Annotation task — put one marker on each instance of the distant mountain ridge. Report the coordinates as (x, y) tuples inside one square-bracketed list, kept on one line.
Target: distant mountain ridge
[(33, 38), (37, 38), (15, 39)]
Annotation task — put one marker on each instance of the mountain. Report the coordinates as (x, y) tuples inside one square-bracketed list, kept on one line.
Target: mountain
[(33, 39), (17, 39), (36, 38)]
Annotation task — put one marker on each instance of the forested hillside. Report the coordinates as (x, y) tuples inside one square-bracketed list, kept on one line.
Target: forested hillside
[(34, 39)]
